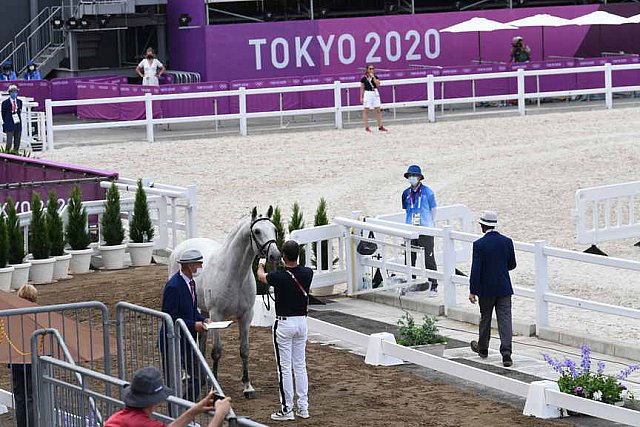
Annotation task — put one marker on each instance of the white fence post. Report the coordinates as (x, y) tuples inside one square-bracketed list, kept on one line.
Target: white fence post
[(49, 113), (242, 98), (448, 268), (337, 99), (192, 225), (542, 284), (521, 92), (148, 109), (608, 85), (351, 263), (431, 99)]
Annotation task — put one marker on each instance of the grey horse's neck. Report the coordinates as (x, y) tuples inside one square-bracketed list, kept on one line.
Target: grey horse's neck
[(238, 247)]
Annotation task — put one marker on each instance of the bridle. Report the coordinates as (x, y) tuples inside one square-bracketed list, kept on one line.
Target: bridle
[(264, 249)]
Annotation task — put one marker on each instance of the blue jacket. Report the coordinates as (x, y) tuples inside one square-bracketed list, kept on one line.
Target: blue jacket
[(493, 257), (7, 119), (177, 302), (420, 201)]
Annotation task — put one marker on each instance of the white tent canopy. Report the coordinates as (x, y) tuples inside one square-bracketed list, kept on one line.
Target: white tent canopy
[(541, 20), (477, 25), (600, 18)]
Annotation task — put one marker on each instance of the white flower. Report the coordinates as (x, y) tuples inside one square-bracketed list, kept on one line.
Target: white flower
[(597, 395), (627, 395)]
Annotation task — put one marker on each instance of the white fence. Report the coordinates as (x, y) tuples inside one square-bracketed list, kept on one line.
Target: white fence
[(608, 212), (172, 210), (431, 102), (475, 375)]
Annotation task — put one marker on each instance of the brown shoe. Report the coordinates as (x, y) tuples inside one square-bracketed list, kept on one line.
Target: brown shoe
[(476, 349)]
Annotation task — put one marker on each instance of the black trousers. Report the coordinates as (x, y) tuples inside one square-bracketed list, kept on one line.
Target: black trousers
[(13, 139), (502, 305), (22, 394), (425, 242), (193, 377)]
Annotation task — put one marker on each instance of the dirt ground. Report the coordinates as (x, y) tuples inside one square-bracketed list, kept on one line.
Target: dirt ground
[(343, 390)]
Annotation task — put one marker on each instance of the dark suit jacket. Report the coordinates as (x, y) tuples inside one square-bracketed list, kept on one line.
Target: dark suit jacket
[(177, 302), (7, 119), (493, 257)]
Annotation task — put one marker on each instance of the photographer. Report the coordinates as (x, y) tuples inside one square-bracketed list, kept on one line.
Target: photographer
[(520, 52), (291, 286)]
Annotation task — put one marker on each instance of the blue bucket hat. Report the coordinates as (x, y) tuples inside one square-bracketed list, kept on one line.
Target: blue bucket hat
[(414, 170)]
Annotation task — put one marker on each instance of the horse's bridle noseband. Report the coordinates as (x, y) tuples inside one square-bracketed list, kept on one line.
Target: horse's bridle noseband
[(264, 249)]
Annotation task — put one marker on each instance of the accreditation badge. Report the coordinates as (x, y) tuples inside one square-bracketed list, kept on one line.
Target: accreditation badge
[(415, 219), (15, 117)]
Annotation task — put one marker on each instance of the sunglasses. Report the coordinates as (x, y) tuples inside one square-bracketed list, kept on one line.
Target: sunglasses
[(370, 68)]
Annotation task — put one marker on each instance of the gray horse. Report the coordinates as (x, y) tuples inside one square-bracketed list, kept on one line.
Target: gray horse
[(227, 287)]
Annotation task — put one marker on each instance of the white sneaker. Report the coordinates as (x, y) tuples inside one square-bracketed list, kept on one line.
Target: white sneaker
[(283, 416), (302, 413)]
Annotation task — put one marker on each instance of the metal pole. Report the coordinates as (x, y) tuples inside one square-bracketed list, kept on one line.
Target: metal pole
[(312, 15)]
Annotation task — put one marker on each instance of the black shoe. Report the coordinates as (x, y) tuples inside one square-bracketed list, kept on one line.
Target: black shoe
[(476, 349), (507, 362)]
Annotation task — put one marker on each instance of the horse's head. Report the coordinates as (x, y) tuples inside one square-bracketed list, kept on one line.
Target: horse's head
[(263, 235)]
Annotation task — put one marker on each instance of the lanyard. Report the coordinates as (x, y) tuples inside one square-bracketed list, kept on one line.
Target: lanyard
[(295, 279), (371, 83), (419, 197)]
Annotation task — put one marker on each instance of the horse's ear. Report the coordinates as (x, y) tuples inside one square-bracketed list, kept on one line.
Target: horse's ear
[(270, 212), (254, 213)]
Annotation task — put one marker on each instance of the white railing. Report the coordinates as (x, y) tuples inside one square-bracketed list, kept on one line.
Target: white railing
[(608, 212), (431, 102), (165, 201), (474, 375)]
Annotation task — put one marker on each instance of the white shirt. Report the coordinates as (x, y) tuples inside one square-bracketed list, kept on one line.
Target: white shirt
[(187, 281), (150, 68)]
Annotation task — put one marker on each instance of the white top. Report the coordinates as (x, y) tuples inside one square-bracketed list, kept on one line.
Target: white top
[(150, 70)]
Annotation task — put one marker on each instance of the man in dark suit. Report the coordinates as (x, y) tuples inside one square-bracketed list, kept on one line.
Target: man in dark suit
[(493, 258), (180, 301), (11, 118)]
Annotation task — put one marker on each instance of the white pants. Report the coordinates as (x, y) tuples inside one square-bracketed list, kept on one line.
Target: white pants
[(371, 99), (289, 341)]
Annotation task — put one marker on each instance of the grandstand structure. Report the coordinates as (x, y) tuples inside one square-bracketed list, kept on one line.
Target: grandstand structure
[(83, 37)]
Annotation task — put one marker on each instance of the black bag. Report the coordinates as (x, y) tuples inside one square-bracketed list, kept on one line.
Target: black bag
[(377, 279), (367, 248)]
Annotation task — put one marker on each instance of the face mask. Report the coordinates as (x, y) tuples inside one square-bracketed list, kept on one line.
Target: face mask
[(413, 180), (197, 272), (32, 68), (13, 95)]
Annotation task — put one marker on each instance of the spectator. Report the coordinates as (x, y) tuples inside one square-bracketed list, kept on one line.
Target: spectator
[(419, 202), (490, 285), (147, 391), (150, 69), (520, 52), (180, 300), (291, 287), (7, 72), (32, 72), (11, 118), (21, 375), (370, 97)]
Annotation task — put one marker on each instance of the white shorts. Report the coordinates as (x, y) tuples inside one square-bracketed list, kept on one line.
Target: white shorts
[(371, 99)]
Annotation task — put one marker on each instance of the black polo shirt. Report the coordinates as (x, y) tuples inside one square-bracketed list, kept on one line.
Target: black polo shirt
[(290, 301), (370, 86)]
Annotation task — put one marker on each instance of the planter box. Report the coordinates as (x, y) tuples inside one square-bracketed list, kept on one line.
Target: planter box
[(5, 278), (61, 268), (140, 253), (42, 271), (435, 349), (112, 256), (80, 260), (20, 275)]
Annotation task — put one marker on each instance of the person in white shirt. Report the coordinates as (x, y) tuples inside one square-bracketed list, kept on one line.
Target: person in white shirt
[(150, 69)]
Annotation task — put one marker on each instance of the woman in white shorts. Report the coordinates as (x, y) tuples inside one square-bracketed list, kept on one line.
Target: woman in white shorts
[(370, 97), (150, 69)]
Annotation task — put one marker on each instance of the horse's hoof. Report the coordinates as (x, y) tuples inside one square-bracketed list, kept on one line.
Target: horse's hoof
[(250, 395)]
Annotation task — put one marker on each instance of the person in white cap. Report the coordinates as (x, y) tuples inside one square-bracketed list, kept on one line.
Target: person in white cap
[(490, 285), (180, 301), (147, 391), (12, 118)]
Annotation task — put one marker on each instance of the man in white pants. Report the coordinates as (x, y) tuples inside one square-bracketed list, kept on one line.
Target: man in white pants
[(291, 286)]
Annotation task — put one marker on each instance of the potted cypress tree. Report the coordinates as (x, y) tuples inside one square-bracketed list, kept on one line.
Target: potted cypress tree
[(6, 271), (112, 231), (77, 235), (20, 274), (56, 238), (140, 230), (42, 264)]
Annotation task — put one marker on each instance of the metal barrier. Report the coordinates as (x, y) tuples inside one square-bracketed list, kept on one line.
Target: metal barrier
[(608, 212)]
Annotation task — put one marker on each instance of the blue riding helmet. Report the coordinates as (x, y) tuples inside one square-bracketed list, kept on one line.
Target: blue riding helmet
[(414, 170)]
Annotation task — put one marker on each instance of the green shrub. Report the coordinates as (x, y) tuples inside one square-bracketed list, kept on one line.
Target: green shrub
[(16, 238), (410, 334), (112, 229), (56, 228), (140, 226), (280, 230), (297, 223), (76, 230), (321, 218), (4, 242), (39, 229)]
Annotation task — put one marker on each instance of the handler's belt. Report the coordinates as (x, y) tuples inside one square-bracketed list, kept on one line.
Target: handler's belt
[(286, 317)]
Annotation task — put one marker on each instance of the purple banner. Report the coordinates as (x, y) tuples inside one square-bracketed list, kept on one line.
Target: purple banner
[(194, 107), (99, 111), (135, 110), (36, 89)]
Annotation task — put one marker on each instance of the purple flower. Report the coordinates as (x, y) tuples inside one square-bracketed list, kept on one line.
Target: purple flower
[(578, 390), (621, 387), (623, 374), (600, 367), (554, 363), (571, 365), (585, 364)]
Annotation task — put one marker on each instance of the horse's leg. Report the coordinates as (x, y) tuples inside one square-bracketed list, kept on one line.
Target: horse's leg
[(245, 323), (216, 352)]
